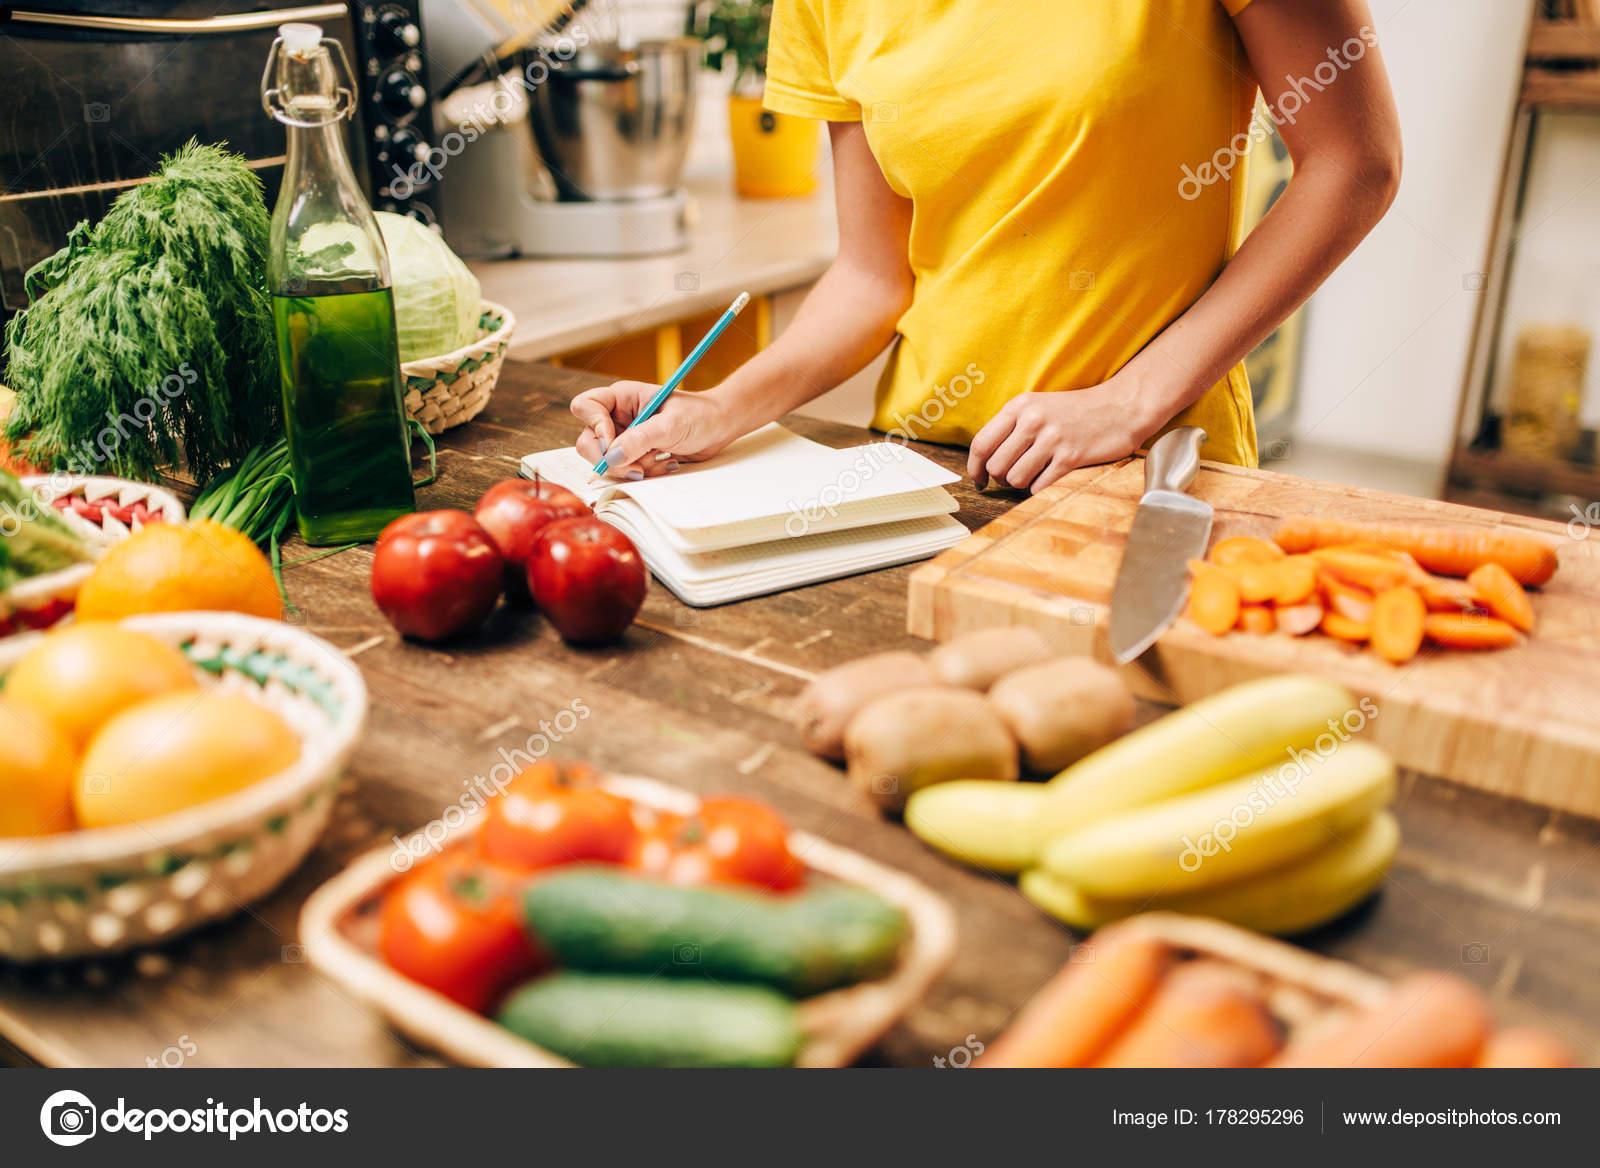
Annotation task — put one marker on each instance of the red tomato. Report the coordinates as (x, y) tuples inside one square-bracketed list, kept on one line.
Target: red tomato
[(588, 579), (454, 924), (436, 574), (655, 840), (734, 841), (555, 813), (514, 513)]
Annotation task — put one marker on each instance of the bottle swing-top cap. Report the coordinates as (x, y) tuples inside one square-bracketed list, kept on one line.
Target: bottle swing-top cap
[(307, 81)]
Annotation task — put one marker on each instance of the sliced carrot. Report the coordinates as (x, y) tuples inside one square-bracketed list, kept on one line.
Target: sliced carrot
[(1244, 549), (1085, 1006), (1258, 583), (1213, 598), (1525, 1046), (1337, 624), (1450, 551), (1470, 630), (1360, 570), (1200, 1017), (1442, 594), (1496, 589), (1299, 619), (1297, 580), (1257, 618), (1398, 619), (1428, 1020), (1348, 601)]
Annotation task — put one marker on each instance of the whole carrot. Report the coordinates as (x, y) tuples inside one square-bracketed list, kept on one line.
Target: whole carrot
[(1082, 1008), (1451, 551), (1200, 1017), (1526, 1046), (1428, 1020)]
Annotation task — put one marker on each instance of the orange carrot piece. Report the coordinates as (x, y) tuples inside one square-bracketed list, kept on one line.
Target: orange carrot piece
[(1337, 624), (1296, 580), (1398, 622), (1258, 583), (1450, 551), (1442, 594), (1257, 618), (1470, 630), (1244, 549), (1498, 591), (1428, 1020), (1526, 1046), (1359, 570), (1299, 619), (1352, 603), (1085, 1006), (1198, 1018), (1213, 598)]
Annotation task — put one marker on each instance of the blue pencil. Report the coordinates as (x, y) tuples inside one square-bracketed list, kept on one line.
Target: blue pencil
[(676, 379)]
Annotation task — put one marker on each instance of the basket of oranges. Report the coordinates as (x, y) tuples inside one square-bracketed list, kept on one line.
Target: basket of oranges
[(161, 772)]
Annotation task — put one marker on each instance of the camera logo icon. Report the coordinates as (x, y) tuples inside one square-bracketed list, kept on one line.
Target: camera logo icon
[(686, 953), (68, 1118), (96, 113)]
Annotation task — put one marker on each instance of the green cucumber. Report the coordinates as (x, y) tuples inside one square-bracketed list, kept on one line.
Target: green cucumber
[(801, 943), (606, 1020)]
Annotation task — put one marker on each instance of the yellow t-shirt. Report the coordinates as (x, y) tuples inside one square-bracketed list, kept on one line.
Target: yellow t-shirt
[(1049, 149)]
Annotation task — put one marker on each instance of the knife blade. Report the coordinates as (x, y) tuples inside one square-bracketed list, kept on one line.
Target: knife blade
[(1169, 529)]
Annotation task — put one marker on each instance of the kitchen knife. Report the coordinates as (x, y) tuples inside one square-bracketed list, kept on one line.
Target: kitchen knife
[(1169, 529)]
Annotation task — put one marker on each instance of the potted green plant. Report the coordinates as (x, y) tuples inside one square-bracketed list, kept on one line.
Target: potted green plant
[(774, 155)]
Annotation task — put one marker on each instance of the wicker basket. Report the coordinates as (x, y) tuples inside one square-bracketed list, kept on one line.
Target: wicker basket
[(445, 391), (338, 930), (92, 892), (105, 510)]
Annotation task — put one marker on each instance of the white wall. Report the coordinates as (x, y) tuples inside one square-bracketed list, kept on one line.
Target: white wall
[(1387, 336)]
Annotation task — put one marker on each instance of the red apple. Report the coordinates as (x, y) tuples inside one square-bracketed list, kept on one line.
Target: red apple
[(514, 513), (436, 574), (588, 578)]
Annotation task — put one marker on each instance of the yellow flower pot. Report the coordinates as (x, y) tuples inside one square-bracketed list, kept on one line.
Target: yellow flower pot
[(774, 155)]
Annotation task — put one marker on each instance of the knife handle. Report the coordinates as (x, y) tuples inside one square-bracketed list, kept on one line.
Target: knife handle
[(1174, 460)]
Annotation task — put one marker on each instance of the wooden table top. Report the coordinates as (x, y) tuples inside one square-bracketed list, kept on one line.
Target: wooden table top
[(1506, 894)]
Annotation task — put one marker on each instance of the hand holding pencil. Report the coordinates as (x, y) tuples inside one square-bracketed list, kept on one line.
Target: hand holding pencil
[(634, 430)]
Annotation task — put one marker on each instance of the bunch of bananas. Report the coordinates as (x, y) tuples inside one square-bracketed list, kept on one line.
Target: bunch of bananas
[(1256, 806)]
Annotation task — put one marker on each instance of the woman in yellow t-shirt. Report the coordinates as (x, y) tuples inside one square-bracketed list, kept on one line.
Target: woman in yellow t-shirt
[(1039, 196)]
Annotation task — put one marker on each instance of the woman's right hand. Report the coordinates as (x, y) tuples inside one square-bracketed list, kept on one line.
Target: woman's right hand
[(691, 427)]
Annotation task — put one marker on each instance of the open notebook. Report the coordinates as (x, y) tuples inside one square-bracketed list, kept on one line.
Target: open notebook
[(772, 511)]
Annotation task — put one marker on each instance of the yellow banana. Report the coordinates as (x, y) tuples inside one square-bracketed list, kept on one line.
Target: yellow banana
[(1299, 896), (1222, 833), (1004, 826)]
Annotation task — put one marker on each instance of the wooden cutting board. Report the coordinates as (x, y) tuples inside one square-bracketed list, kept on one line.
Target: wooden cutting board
[(1523, 722)]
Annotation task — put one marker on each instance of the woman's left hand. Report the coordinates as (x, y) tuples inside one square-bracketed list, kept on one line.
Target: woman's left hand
[(1038, 437)]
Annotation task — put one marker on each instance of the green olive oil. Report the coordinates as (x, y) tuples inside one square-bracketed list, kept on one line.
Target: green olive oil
[(339, 363)]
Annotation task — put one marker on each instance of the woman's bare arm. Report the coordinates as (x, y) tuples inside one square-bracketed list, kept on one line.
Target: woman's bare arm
[(845, 321), (1345, 142)]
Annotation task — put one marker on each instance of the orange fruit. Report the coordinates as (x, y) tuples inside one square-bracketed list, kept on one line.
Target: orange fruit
[(37, 772), (177, 751), (171, 567), (81, 675)]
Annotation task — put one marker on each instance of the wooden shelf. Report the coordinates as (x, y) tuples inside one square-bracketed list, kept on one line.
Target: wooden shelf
[(1564, 40), (1476, 468), (1563, 66)]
